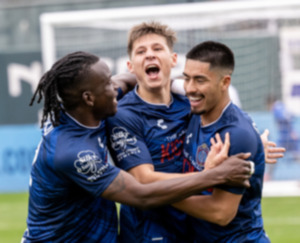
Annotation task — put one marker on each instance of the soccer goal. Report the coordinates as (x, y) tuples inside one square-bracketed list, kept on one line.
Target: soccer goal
[(264, 35)]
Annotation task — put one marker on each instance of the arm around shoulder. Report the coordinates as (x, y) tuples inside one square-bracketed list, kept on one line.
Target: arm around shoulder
[(125, 81)]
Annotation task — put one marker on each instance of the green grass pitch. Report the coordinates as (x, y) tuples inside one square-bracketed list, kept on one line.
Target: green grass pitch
[(281, 218)]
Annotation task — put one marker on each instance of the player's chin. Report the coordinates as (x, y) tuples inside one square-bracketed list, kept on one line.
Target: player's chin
[(197, 111), (114, 111)]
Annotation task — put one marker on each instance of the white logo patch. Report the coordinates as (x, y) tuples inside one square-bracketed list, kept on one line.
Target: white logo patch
[(188, 137), (88, 163), (101, 145), (120, 138), (160, 124)]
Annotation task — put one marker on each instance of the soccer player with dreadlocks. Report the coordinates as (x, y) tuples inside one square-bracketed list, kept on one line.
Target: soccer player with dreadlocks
[(72, 187)]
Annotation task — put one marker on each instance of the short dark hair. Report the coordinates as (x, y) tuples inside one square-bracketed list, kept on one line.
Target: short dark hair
[(215, 53), (55, 85)]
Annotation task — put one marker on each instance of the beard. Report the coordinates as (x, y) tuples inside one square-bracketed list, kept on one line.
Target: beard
[(198, 112)]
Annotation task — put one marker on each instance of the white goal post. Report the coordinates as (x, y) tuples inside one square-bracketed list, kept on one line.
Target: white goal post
[(255, 30)]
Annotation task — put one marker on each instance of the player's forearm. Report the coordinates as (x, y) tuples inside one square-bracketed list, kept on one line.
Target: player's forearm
[(160, 176), (207, 210), (125, 189), (176, 189), (219, 208), (125, 81), (145, 174), (201, 207), (232, 170)]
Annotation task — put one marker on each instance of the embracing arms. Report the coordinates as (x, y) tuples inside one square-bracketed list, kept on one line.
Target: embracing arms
[(127, 190)]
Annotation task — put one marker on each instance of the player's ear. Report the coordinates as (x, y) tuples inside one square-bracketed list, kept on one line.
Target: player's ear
[(130, 66), (226, 82), (174, 59), (88, 98)]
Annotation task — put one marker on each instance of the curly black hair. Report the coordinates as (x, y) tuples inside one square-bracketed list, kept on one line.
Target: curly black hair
[(54, 85)]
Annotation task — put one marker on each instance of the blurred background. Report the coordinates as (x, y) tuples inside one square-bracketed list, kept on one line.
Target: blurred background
[(264, 35)]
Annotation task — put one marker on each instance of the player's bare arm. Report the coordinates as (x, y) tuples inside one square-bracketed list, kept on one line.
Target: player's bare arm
[(145, 173), (125, 189), (125, 81), (219, 208)]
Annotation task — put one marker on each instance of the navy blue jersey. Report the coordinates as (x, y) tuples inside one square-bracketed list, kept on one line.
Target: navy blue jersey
[(144, 133), (247, 226), (68, 175)]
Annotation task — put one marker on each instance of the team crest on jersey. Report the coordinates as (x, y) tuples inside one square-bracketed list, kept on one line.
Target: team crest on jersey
[(89, 164), (120, 138), (201, 154)]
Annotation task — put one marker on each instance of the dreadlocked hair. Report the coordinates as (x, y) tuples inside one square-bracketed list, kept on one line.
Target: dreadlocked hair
[(64, 75)]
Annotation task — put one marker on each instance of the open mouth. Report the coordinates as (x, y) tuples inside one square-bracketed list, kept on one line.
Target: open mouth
[(195, 100), (152, 70)]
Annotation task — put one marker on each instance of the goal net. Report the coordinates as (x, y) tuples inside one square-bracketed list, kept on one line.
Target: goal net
[(264, 35)]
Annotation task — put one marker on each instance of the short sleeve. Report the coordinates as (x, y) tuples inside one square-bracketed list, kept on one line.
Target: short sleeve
[(88, 170), (242, 140), (126, 141)]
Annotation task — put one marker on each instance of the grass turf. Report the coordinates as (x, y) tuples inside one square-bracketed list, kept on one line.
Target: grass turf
[(281, 218)]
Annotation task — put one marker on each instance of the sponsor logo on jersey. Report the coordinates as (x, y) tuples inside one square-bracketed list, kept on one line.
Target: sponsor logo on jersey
[(89, 164), (120, 138), (171, 150)]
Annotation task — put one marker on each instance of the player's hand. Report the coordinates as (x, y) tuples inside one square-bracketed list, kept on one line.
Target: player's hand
[(218, 151), (125, 81), (272, 153), (237, 170)]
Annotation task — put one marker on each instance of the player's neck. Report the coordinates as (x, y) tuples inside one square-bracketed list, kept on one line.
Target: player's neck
[(213, 115), (84, 118), (161, 95)]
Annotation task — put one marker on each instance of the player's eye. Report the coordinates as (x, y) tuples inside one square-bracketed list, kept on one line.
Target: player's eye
[(140, 52)]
